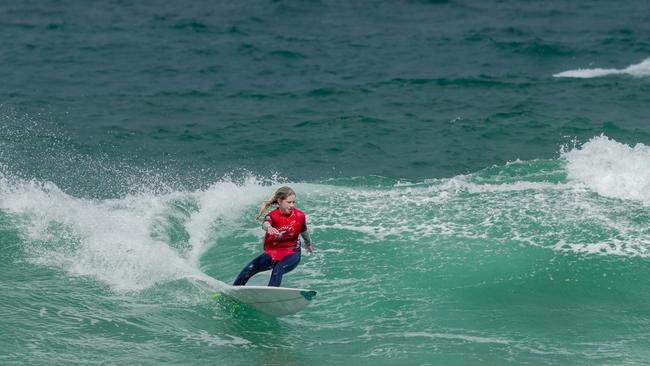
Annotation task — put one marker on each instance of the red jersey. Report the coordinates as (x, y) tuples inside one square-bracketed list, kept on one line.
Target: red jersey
[(290, 227)]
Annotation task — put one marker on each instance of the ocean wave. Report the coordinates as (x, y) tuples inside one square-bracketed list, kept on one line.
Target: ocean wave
[(130, 243), (611, 169), (639, 70), (140, 240)]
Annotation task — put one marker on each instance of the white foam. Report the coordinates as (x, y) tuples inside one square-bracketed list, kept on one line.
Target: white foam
[(460, 337), (218, 206), (639, 70), (562, 215), (611, 169), (117, 241), (513, 187), (629, 247)]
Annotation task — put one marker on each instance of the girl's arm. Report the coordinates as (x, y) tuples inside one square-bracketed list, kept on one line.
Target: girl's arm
[(307, 238), (266, 226)]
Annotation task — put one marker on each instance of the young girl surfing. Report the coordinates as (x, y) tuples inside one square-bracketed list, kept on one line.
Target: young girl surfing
[(281, 244)]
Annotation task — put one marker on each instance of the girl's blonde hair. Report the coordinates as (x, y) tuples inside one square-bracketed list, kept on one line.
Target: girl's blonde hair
[(281, 194)]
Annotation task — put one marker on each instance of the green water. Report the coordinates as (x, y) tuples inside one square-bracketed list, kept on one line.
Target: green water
[(475, 178)]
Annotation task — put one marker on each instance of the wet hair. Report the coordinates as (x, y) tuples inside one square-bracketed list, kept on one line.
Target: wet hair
[(281, 194)]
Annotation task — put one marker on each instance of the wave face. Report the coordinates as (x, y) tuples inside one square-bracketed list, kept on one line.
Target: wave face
[(400, 265)]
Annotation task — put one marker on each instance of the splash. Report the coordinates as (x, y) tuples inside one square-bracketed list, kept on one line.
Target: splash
[(611, 169), (639, 70), (125, 242)]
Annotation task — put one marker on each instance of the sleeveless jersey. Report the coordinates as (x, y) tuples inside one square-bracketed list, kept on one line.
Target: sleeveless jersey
[(290, 227)]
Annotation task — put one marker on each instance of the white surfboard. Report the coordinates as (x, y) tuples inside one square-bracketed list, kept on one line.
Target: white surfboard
[(276, 301)]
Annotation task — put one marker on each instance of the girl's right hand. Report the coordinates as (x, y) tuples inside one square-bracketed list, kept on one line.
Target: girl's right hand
[(273, 231)]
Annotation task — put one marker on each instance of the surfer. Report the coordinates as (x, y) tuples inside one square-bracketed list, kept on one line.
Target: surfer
[(282, 248)]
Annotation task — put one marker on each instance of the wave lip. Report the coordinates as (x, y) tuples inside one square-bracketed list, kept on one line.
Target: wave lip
[(611, 169), (639, 70)]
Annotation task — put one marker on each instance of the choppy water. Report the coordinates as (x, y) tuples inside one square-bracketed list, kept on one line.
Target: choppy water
[(476, 178)]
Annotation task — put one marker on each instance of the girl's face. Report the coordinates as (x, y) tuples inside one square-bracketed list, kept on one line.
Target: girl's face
[(287, 204)]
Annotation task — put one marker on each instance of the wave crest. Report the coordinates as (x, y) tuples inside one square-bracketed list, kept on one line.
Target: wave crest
[(130, 243), (639, 70), (611, 169)]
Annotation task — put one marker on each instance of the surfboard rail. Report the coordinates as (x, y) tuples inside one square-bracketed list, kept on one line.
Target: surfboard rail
[(276, 301)]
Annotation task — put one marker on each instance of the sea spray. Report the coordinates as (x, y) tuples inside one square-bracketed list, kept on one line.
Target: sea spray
[(122, 242), (611, 169)]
